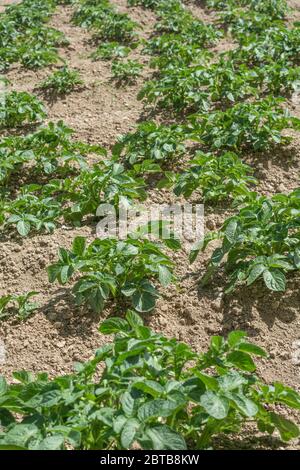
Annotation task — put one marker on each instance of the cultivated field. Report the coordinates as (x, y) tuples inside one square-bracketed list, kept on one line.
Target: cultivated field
[(167, 102)]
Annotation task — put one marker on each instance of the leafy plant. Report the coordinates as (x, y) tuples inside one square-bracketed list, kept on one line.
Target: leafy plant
[(115, 27), (111, 50), (126, 71), (277, 44), (30, 212), (175, 18), (112, 268), (41, 207), (256, 125), (261, 242), (149, 393), (146, 3), (151, 142), (243, 23), (89, 12), (25, 38), (217, 178), (51, 148), (19, 305), (19, 108), (171, 50), (106, 182), (37, 55), (179, 89), (11, 161), (62, 81), (30, 13)]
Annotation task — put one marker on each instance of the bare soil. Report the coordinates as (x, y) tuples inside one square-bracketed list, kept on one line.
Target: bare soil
[(61, 333)]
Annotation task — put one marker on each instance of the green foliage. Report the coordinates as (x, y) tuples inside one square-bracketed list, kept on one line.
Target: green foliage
[(149, 392), (274, 9), (106, 182), (176, 19), (31, 212), (112, 268), (62, 81), (110, 50), (50, 148), (115, 27), (24, 36), (126, 72), (243, 23), (19, 108), (261, 242), (179, 89), (186, 87), (256, 125), (277, 44), (88, 13), (107, 24), (171, 51), (217, 178), (17, 305), (41, 207), (151, 142), (153, 4), (11, 160)]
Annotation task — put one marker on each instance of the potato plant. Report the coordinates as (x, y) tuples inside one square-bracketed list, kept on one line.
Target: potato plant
[(42, 207), (150, 391), (17, 305), (25, 37), (89, 12), (62, 81), (112, 268), (260, 242), (126, 72), (51, 149), (154, 391), (106, 182), (214, 178), (179, 89), (20, 108), (111, 50), (28, 212), (276, 44), (116, 27), (151, 142), (11, 161), (258, 125)]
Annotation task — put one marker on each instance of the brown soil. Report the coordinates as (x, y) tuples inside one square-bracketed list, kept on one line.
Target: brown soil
[(60, 333)]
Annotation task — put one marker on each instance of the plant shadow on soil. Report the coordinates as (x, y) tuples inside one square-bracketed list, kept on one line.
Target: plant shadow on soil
[(240, 308)]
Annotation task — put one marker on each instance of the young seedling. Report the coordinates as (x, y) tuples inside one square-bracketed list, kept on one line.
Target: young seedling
[(111, 50)]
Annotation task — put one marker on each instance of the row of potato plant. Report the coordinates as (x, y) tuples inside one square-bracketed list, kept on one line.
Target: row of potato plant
[(154, 392)]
